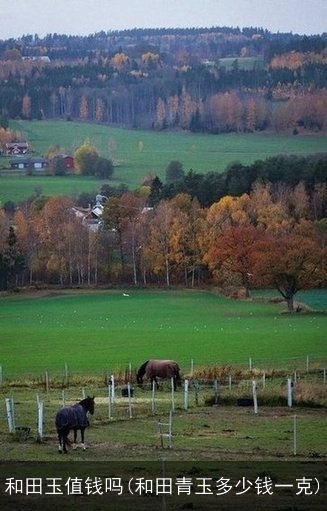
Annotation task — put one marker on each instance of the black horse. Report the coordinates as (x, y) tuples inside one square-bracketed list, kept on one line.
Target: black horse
[(159, 368), (73, 418)]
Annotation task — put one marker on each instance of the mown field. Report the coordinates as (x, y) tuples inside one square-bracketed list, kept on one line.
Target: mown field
[(97, 332), (143, 153)]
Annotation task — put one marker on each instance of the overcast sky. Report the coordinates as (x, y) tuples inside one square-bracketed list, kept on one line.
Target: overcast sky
[(83, 17)]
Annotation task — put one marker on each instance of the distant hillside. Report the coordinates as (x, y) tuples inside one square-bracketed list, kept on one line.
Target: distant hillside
[(212, 80)]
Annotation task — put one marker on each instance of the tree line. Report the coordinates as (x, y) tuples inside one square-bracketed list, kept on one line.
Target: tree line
[(217, 80), (268, 236), (282, 173)]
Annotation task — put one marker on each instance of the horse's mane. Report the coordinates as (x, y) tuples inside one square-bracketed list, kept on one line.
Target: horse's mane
[(87, 403), (141, 370), (84, 401)]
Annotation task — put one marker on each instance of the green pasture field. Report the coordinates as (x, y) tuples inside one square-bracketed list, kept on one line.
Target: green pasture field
[(97, 333), (142, 153), (245, 63)]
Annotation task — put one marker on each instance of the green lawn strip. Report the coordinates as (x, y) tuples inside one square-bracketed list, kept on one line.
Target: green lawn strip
[(99, 332)]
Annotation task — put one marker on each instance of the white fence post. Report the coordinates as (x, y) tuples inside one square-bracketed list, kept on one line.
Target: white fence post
[(112, 379), (10, 414), (39, 419), (153, 406), (172, 394), (216, 387), (254, 394), (109, 400), (289, 392), (294, 435), (129, 400), (185, 394)]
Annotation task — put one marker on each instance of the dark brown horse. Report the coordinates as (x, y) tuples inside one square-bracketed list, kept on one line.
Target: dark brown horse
[(153, 369)]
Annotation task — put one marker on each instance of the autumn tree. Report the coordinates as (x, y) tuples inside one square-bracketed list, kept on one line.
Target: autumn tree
[(28, 238), (227, 212), (86, 156), (99, 109), (119, 60), (187, 223), (26, 106), (320, 234), (272, 215), (84, 108), (56, 238), (235, 253), (289, 262), (159, 249), (119, 216), (161, 120), (187, 108)]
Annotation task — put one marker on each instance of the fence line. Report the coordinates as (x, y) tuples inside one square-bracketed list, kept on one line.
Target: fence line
[(189, 368), (150, 401)]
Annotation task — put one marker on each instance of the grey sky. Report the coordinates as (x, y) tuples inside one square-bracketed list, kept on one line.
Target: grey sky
[(83, 17)]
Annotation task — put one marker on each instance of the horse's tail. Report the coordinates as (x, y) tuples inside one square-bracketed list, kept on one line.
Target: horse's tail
[(58, 421)]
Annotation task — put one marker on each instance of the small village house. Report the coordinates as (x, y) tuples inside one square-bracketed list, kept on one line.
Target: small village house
[(16, 148), (29, 163)]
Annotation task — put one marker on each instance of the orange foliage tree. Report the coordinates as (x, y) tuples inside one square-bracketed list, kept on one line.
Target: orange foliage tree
[(289, 262), (235, 254)]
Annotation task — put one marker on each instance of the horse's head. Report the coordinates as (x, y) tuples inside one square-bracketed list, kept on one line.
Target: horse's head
[(88, 404), (139, 379), (141, 372)]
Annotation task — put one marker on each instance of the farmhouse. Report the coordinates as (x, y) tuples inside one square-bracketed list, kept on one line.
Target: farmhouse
[(16, 148), (35, 164), (39, 58), (91, 216)]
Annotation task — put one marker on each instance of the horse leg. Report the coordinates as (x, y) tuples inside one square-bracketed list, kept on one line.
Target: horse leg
[(82, 439), (65, 440), (156, 382), (60, 441), (75, 439)]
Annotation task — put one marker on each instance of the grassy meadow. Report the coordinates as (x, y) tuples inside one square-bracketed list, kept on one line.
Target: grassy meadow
[(143, 153), (98, 332)]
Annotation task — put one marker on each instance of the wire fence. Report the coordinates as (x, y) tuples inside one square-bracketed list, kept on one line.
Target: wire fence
[(69, 374)]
